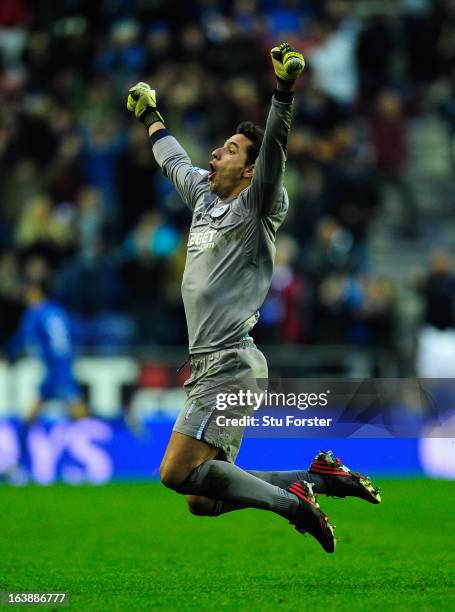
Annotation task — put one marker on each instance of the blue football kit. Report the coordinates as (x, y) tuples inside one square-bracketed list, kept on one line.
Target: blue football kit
[(45, 331)]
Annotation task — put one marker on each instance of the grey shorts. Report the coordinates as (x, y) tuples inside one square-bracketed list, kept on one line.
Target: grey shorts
[(213, 375)]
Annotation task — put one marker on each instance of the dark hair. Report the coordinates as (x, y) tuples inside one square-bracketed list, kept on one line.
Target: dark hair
[(255, 134)]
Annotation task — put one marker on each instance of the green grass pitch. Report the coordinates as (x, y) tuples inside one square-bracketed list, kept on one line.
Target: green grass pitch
[(134, 547)]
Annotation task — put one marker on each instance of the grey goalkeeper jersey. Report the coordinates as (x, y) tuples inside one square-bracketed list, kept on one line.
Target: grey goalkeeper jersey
[(231, 245)]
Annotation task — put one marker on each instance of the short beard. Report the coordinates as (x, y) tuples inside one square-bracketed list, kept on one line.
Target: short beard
[(216, 191)]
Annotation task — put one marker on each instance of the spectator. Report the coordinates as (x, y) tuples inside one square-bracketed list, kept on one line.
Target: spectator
[(436, 341), (45, 230), (148, 251), (376, 48), (389, 131), (333, 60), (135, 178), (281, 315), (14, 17), (124, 56)]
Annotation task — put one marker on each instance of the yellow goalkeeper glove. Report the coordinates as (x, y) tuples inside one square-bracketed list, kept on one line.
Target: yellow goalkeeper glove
[(142, 101), (288, 64)]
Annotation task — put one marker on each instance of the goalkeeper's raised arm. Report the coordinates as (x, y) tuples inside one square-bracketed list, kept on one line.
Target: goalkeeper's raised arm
[(266, 195), (189, 181), (241, 161)]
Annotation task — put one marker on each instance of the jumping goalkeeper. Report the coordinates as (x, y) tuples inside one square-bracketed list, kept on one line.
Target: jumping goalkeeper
[(237, 207)]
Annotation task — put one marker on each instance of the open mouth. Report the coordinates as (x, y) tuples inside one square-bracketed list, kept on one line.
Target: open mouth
[(212, 171)]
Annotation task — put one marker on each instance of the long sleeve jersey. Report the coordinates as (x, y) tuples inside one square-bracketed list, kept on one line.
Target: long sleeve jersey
[(231, 245)]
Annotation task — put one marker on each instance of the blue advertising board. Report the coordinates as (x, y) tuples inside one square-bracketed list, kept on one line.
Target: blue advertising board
[(97, 451)]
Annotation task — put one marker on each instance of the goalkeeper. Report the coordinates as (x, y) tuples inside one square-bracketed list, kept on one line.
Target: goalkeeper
[(237, 207)]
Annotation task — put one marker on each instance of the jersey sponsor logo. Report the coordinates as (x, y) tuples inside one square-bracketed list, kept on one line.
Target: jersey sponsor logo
[(219, 211), (203, 240)]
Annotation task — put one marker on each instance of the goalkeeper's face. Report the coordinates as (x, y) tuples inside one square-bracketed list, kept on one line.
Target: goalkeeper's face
[(230, 172)]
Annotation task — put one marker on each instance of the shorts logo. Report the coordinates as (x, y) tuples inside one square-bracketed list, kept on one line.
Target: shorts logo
[(219, 211), (189, 411), (203, 240)]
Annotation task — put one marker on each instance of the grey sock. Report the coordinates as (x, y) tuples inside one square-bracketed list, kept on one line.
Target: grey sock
[(226, 482), (279, 479), (221, 507), (284, 479)]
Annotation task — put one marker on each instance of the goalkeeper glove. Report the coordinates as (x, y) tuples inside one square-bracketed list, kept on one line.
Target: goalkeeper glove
[(142, 101), (288, 64)]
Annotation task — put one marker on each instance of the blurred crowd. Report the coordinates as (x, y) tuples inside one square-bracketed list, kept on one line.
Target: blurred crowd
[(82, 199)]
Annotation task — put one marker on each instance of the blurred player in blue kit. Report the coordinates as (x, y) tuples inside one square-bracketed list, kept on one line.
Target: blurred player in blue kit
[(237, 207), (45, 332)]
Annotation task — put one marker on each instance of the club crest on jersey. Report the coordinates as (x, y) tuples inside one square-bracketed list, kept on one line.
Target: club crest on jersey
[(219, 211)]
